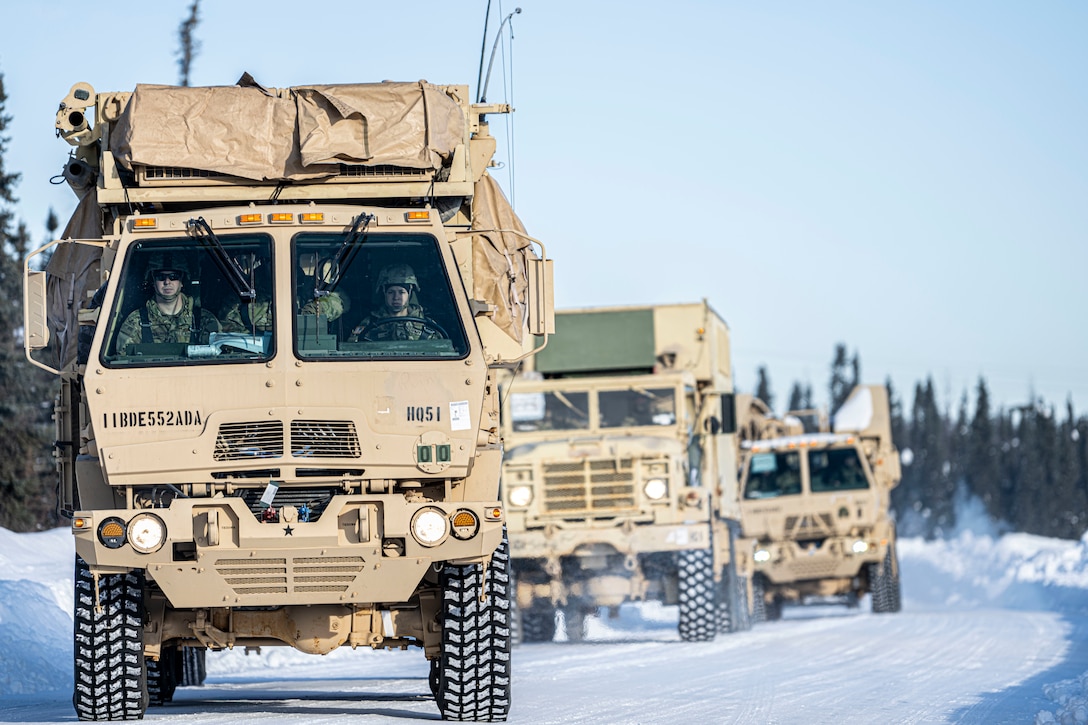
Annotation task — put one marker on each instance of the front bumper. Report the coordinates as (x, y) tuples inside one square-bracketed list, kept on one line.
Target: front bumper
[(361, 550)]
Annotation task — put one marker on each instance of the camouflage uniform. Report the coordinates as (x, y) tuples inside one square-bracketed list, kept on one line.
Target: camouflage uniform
[(165, 328), (259, 317), (332, 305), (407, 330)]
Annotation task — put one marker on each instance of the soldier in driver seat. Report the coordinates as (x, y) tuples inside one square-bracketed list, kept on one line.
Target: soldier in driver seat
[(397, 290), (170, 315)]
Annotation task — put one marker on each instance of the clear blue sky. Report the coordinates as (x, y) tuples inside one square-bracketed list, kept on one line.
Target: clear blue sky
[(910, 179)]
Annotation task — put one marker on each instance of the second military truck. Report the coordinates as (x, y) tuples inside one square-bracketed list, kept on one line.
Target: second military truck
[(620, 471)]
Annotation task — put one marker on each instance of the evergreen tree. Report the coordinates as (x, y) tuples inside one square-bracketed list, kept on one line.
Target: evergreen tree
[(189, 45), (26, 478), (797, 396), (763, 386), (845, 375), (982, 473)]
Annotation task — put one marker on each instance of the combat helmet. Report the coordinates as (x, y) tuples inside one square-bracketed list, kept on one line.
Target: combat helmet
[(168, 260), (400, 274)]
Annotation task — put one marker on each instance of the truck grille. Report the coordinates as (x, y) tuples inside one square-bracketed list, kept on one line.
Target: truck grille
[(324, 439), (242, 441), (314, 499), (590, 486), (283, 576), (809, 526), (309, 439)]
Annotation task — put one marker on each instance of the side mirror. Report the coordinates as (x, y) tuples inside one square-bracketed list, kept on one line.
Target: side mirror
[(729, 414), (541, 307), (36, 329)]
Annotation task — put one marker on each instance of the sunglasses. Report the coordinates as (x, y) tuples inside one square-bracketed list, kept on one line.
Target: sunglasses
[(167, 276)]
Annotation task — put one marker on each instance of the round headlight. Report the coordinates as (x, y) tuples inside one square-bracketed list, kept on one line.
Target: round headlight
[(655, 489), (146, 533), (521, 495), (430, 526), (860, 547), (762, 555)]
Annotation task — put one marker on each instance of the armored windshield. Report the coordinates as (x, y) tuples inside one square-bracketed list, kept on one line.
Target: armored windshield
[(176, 303), (554, 410), (637, 407), (836, 469), (773, 474), (376, 296)]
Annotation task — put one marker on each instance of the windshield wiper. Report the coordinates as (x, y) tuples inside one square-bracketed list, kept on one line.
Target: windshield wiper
[(227, 264), (345, 255)]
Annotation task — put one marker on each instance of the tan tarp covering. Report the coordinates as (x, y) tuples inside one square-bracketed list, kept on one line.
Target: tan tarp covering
[(68, 277), (500, 258), (244, 131)]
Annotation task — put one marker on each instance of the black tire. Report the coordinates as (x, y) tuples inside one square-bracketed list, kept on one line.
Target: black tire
[(474, 668), (698, 611), (538, 622), (732, 602), (759, 601), (162, 676), (884, 584), (762, 610), (192, 666), (434, 677), (574, 622), (517, 634), (110, 672)]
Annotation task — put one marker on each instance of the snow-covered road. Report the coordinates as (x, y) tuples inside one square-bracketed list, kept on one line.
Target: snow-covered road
[(974, 644)]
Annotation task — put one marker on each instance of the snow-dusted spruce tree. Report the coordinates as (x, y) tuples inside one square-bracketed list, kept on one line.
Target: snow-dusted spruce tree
[(27, 478)]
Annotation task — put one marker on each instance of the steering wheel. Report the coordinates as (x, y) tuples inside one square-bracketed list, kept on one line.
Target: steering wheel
[(427, 323)]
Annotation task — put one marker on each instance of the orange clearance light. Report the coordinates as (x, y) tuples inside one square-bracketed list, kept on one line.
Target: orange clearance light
[(494, 513), (464, 518), (312, 217), (145, 222), (281, 217), (249, 218), (422, 215), (80, 523)]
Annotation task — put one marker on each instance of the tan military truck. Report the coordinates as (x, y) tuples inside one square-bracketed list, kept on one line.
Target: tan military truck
[(815, 507), (619, 478), (276, 316)]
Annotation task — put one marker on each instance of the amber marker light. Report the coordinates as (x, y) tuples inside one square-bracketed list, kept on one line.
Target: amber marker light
[(422, 215), (249, 219), (312, 217), (143, 223), (111, 533), (493, 514), (80, 523), (281, 217), (464, 524)]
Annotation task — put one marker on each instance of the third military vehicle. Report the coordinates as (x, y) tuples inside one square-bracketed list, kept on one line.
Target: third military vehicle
[(620, 471), (815, 507), (276, 316)]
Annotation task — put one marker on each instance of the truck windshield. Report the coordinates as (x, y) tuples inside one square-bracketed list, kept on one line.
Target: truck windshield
[(837, 469), (175, 305), (387, 296), (549, 411), (773, 474), (637, 407)]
